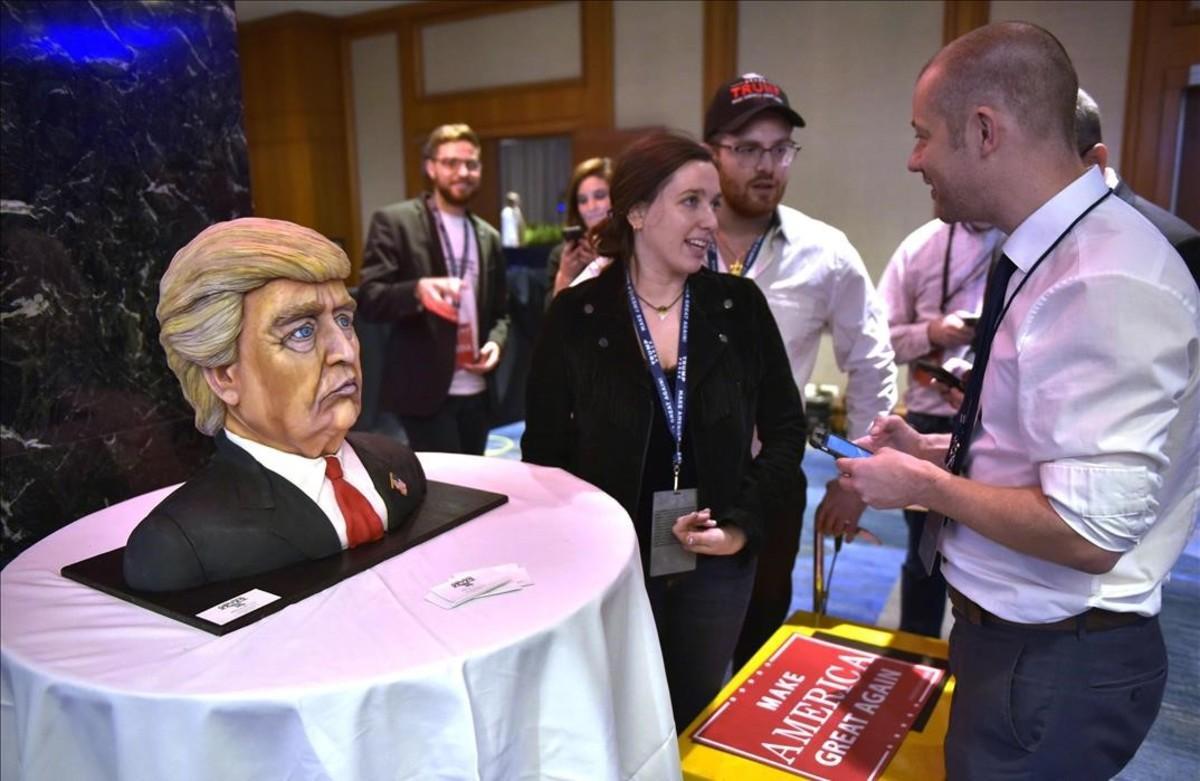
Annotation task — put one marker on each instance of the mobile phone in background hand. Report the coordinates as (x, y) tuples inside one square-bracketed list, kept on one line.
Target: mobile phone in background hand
[(572, 233), (970, 320), (940, 374), (838, 447)]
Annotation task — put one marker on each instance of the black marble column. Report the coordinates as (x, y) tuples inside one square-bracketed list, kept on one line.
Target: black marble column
[(121, 138)]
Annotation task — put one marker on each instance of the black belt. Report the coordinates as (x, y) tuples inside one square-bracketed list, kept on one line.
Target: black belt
[(1093, 620)]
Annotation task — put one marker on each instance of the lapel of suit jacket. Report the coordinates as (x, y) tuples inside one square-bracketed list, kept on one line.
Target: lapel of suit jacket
[(380, 473), (283, 507), (483, 287)]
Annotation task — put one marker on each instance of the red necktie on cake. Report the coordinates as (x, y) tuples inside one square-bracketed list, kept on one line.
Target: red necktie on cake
[(362, 522)]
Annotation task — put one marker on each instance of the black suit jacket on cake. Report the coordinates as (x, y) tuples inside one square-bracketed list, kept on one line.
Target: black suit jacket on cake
[(403, 246), (1183, 237), (237, 518)]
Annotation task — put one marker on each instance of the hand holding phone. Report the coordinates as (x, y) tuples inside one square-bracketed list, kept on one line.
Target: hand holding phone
[(950, 330), (572, 233), (940, 374)]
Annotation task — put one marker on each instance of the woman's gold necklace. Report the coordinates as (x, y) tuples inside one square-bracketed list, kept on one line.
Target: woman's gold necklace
[(661, 311)]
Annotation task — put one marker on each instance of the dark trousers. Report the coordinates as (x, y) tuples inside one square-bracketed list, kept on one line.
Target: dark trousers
[(1035, 704), (698, 615), (771, 600), (459, 426), (922, 597)]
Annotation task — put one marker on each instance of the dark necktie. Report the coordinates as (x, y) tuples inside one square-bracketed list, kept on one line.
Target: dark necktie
[(362, 522), (968, 413)]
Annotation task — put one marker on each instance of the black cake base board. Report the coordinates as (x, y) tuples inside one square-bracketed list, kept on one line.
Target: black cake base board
[(445, 507)]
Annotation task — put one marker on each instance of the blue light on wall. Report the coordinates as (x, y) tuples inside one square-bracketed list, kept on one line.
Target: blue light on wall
[(100, 39)]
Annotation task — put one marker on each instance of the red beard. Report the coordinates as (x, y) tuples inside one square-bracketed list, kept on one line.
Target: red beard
[(746, 203)]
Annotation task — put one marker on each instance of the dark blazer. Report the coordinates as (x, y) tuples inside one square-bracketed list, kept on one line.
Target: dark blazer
[(402, 246), (1183, 237), (590, 398), (236, 518)]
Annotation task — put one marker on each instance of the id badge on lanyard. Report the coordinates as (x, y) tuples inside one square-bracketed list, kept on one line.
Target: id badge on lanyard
[(667, 555)]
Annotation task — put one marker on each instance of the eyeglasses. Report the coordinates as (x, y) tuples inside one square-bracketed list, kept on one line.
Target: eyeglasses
[(750, 155), (454, 163)]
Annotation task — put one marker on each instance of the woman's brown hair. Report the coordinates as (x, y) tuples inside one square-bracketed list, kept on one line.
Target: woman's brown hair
[(641, 171)]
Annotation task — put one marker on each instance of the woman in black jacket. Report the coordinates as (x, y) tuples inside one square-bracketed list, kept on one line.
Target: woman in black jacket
[(611, 374)]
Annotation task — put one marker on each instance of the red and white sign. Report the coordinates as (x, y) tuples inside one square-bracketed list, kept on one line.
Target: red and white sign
[(822, 711)]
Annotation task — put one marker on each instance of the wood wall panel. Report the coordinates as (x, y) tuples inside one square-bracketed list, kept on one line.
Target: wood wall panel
[(354, 247), (1165, 43), (560, 107), (720, 46), (299, 104), (605, 142), (963, 16), (295, 122)]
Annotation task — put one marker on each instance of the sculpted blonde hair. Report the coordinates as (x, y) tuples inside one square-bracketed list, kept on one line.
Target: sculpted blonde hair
[(200, 295)]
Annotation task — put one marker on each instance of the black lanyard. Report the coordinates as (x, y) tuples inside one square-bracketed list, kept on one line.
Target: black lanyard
[(982, 266), (946, 270), (673, 409), (970, 411), (1044, 255), (457, 266)]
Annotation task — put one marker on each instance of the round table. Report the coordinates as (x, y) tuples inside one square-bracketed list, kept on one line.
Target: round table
[(364, 680)]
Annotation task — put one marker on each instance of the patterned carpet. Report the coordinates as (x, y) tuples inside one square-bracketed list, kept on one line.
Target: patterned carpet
[(865, 587)]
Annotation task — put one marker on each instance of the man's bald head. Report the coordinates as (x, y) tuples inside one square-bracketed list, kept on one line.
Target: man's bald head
[(1014, 66)]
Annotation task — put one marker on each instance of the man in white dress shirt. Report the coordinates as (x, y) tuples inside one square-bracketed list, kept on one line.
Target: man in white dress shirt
[(815, 283), (1074, 487)]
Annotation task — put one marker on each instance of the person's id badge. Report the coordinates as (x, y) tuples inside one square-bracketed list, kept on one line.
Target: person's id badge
[(667, 555)]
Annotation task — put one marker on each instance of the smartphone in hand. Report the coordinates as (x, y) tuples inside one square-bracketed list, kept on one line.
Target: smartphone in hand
[(940, 374), (572, 233), (823, 439)]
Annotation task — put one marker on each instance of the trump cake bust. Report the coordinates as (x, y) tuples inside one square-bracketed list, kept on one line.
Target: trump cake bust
[(258, 327)]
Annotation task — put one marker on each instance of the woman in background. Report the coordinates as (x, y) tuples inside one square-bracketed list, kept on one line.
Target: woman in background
[(648, 381), (587, 207)]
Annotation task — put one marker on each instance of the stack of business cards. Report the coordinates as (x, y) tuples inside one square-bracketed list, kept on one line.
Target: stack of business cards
[(463, 587)]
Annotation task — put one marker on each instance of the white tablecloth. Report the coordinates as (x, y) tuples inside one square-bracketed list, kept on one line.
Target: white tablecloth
[(365, 680)]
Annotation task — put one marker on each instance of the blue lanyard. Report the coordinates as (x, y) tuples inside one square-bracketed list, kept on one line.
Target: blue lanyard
[(673, 409)]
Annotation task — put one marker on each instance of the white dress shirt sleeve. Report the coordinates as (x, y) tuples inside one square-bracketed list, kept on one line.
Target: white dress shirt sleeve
[(897, 288), (1095, 418), (861, 343)]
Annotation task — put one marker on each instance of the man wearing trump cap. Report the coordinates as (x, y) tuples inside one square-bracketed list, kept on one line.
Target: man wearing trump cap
[(815, 283)]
